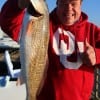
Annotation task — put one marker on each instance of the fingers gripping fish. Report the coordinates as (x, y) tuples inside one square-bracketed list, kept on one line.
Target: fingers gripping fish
[(33, 46)]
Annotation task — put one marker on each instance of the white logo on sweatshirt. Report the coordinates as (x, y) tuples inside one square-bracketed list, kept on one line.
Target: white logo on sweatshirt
[(64, 46)]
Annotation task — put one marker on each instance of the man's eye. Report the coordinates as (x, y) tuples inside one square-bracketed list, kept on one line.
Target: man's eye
[(73, 4)]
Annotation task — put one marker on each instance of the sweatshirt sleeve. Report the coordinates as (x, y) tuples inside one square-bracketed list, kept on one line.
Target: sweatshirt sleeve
[(97, 46), (11, 17)]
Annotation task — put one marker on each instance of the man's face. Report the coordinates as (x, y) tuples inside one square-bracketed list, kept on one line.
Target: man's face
[(68, 11)]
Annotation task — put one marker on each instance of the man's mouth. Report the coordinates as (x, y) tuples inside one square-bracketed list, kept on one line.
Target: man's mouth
[(68, 15)]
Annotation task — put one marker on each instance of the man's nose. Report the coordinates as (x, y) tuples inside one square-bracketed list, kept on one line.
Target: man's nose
[(68, 6)]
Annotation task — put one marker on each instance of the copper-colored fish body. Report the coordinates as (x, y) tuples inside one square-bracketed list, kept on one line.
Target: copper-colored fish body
[(33, 48)]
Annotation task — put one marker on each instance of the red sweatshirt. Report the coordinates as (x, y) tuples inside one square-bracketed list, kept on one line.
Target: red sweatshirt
[(67, 78)]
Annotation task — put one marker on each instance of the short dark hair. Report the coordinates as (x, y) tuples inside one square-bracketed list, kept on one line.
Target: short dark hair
[(81, 0), (57, 1)]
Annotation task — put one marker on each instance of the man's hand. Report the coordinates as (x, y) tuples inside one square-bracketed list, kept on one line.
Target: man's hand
[(23, 3), (88, 57)]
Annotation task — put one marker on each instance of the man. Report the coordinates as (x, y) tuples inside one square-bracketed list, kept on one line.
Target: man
[(73, 53), (71, 57)]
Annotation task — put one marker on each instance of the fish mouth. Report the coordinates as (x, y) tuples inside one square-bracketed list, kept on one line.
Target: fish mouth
[(37, 7), (33, 11)]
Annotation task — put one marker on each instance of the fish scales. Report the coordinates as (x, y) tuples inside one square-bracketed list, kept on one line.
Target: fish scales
[(33, 50)]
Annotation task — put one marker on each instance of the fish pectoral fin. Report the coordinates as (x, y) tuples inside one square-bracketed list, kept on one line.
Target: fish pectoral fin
[(29, 27)]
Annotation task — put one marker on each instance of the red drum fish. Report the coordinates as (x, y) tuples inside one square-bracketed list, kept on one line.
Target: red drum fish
[(34, 46)]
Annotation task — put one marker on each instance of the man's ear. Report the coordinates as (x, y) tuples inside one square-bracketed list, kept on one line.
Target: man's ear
[(56, 2)]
